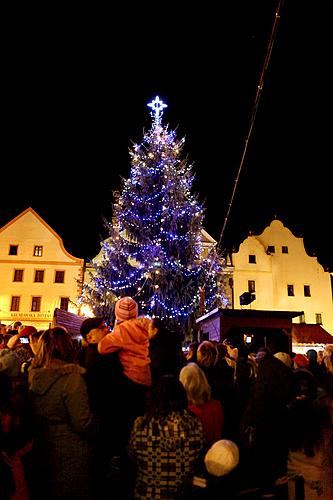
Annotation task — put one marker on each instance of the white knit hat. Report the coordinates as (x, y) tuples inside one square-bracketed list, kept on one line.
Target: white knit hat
[(285, 358), (222, 457)]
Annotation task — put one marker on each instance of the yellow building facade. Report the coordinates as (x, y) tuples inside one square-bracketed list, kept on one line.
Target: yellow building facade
[(275, 269), (37, 274)]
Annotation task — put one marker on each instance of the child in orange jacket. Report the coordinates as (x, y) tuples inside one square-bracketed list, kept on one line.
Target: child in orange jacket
[(130, 338)]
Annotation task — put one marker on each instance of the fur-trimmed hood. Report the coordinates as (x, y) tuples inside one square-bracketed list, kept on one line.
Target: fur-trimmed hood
[(42, 379)]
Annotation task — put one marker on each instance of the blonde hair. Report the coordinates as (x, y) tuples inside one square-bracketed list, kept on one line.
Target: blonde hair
[(196, 384), (53, 343), (328, 349)]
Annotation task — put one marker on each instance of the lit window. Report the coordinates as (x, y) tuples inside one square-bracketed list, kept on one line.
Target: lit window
[(319, 320), (18, 275), (252, 259), (39, 276), (307, 292), (38, 251), (15, 303), (284, 249), (251, 286), (64, 301), (302, 318), (13, 249), (35, 304), (59, 277), (291, 292)]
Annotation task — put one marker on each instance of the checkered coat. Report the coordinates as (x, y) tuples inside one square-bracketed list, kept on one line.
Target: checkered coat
[(165, 452)]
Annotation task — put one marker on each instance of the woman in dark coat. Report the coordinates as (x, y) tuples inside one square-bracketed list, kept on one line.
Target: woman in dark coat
[(63, 418)]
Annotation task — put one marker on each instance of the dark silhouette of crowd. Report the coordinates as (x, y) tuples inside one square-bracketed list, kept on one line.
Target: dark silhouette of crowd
[(131, 415)]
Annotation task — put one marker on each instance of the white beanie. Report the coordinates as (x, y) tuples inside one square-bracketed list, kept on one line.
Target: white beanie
[(222, 457), (285, 358)]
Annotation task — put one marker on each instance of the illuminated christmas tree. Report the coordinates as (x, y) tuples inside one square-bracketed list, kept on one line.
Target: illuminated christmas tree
[(154, 249)]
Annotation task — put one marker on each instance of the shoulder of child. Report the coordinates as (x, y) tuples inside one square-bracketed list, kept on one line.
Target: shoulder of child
[(143, 321)]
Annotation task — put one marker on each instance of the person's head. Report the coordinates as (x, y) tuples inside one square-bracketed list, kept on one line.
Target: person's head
[(192, 351), (207, 354), (168, 395), (328, 349), (6, 337), (312, 355), (195, 383), (231, 348), (126, 308), (222, 457), (222, 350), (320, 356), (27, 331), (54, 343), (301, 361), (328, 360), (285, 358), (33, 340), (17, 325), (93, 330), (10, 363)]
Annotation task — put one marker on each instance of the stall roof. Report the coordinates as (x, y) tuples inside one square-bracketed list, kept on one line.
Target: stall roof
[(310, 334), (249, 313)]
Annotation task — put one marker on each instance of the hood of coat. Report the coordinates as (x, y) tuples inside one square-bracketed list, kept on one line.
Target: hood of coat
[(134, 330), (42, 379)]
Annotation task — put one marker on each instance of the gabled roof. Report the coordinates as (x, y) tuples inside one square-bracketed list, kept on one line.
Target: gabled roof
[(207, 238), (41, 221), (310, 334)]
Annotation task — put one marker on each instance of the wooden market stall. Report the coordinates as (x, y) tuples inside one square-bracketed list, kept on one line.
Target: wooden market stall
[(257, 328)]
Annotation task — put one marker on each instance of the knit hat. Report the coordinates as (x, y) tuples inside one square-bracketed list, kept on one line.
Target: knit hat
[(222, 457), (301, 361), (126, 308), (90, 324), (10, 363), (285, 358), (27, 331)]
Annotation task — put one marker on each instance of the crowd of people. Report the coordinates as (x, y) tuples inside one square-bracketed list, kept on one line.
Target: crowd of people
[(128, 414)]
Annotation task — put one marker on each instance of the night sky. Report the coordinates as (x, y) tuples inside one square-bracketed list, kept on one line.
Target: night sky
[(75, 88)]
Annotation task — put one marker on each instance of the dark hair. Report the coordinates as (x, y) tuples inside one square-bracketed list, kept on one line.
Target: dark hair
[(90, 324), (167, 396), (312, 355)]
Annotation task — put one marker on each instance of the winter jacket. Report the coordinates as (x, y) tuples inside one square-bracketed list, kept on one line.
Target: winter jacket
[(131, 339), (175, 444), (211, 416), (64, 423)]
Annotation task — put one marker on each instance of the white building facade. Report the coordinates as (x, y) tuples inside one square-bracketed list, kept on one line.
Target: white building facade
[(37, 273), (278, 274)]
